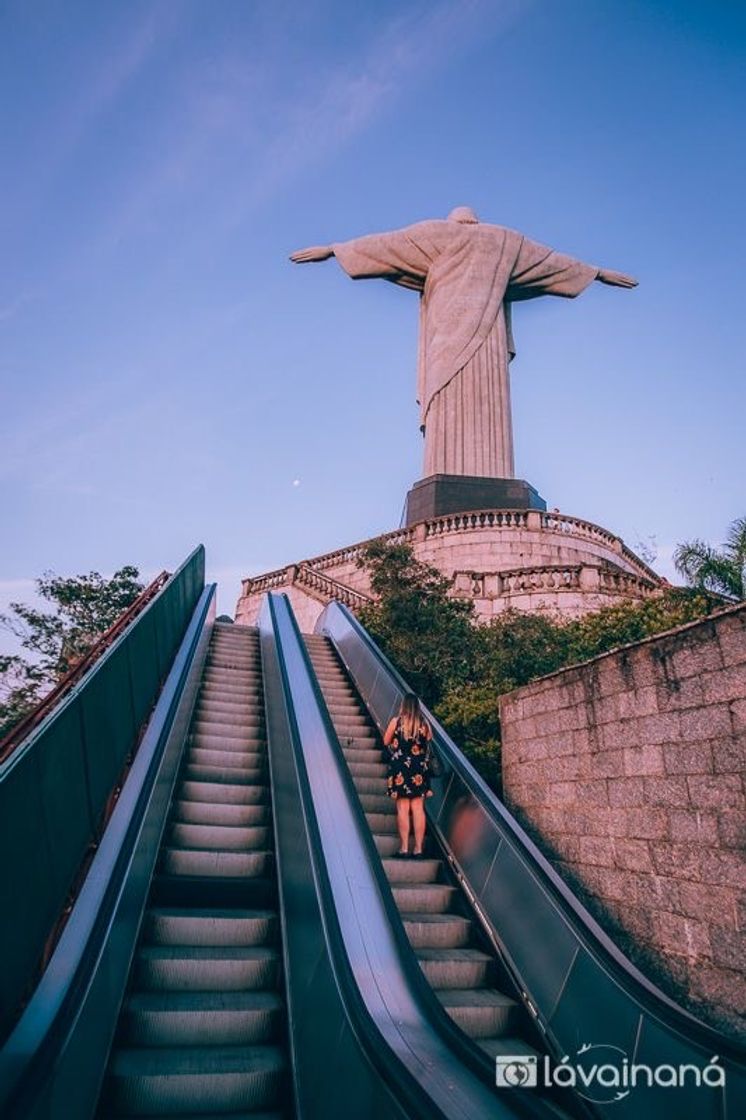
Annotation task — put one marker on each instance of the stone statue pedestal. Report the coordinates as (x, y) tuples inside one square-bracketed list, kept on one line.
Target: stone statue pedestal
[(455, 493)]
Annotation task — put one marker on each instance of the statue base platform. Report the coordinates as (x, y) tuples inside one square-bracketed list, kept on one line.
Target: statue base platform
[(455, 493)]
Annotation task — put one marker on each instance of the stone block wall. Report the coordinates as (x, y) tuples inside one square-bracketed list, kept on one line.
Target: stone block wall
[(629, 770)]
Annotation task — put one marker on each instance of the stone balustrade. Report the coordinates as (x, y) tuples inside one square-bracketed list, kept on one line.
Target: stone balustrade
[(330, 588), (499, 558), (325, 586), (484, 519)]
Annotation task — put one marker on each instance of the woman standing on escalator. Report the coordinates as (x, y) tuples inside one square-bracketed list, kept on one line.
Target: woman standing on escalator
[(408, 738)]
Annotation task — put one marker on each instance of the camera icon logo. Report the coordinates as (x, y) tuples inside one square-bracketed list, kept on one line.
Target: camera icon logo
[(516, 1071)]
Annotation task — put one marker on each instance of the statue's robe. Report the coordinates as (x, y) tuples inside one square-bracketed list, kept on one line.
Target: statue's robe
[(467, 275)]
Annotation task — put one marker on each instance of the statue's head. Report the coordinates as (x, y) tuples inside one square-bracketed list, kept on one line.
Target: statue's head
[(465, 215)]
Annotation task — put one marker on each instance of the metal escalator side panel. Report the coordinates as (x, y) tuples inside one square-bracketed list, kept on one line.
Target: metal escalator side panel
[(52, 1063), (559, 956), (354, 963)]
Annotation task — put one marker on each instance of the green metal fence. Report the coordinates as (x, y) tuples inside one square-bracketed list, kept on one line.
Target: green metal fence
[(55, 786)]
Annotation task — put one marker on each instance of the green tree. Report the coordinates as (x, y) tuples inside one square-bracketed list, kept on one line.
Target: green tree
[(85, 606), (461, 670), (426, 633), (719, 570)]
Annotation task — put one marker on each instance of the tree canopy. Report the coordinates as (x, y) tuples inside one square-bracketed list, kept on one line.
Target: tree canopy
[(719, 570), (85, 606), (460, 669)]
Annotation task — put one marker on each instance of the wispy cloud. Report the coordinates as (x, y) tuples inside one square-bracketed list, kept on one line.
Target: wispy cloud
[(239, 136), (349, 98)]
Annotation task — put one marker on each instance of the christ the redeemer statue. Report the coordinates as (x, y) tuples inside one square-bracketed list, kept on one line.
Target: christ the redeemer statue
[(467, 273)]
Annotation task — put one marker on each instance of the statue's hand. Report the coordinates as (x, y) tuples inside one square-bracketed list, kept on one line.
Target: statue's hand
[(617, 279), (315, 253)]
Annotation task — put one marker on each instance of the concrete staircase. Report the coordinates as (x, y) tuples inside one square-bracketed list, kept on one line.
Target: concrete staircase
[(444, 936), (202, 1028)]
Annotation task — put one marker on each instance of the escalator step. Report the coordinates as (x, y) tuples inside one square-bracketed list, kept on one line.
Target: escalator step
[(199, 968), (224, 793), (367, 753), (227, 731), (378, 803), (437, 931), (201, 1018), (147, 1082), (174, 926), (233, 715), (412, 870), (372, 770), (480, 1012), (209, 812), (507, 1044), (228, 775), (381, 823), (455, 968), (387, 843), (191, 861), (220, 837), (236, 741), (424, 898), (208, 756)]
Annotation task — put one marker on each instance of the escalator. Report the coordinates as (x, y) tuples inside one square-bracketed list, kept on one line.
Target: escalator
[(523, 968), (230, 951), (457, 961), (203, 1025), (244, 944)]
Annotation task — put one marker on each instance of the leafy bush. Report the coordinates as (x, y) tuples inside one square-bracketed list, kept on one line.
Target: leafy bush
[(460, 669)]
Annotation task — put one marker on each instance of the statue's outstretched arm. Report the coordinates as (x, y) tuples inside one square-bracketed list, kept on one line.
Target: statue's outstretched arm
[(616, 279), (315, 253)]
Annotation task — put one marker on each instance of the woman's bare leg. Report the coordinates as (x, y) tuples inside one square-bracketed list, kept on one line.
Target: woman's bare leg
[(419, 820), (402, 822)]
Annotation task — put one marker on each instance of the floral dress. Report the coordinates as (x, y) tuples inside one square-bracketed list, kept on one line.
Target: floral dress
[(408, 765)]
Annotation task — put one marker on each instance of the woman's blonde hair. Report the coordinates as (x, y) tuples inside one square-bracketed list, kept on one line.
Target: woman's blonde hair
[(411, 717)]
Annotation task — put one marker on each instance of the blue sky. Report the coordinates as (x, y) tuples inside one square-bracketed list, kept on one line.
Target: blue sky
[(168, 377)]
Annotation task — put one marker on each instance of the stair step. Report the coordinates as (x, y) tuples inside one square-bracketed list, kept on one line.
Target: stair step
[(236, 679), (194, 861), (220, 837), (244, 759), (232, 692), (480, 1012), (455, 968), (246, 660), (508, 1044), (375, 770), (198, 968), (241, 713), (412, 870), (387, 843), (213, 742), (424, 898), (366, 742), (201, 1018), (229, 775), (381, 823), (203, 729), (219, 793), (370, 786), (437, 931), (208, 812), (378, 803), (164, 1080), (192, 927)]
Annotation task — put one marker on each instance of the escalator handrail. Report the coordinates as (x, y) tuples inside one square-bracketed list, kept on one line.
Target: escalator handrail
[(30, 1056), (401, 1041), (584, 926)]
